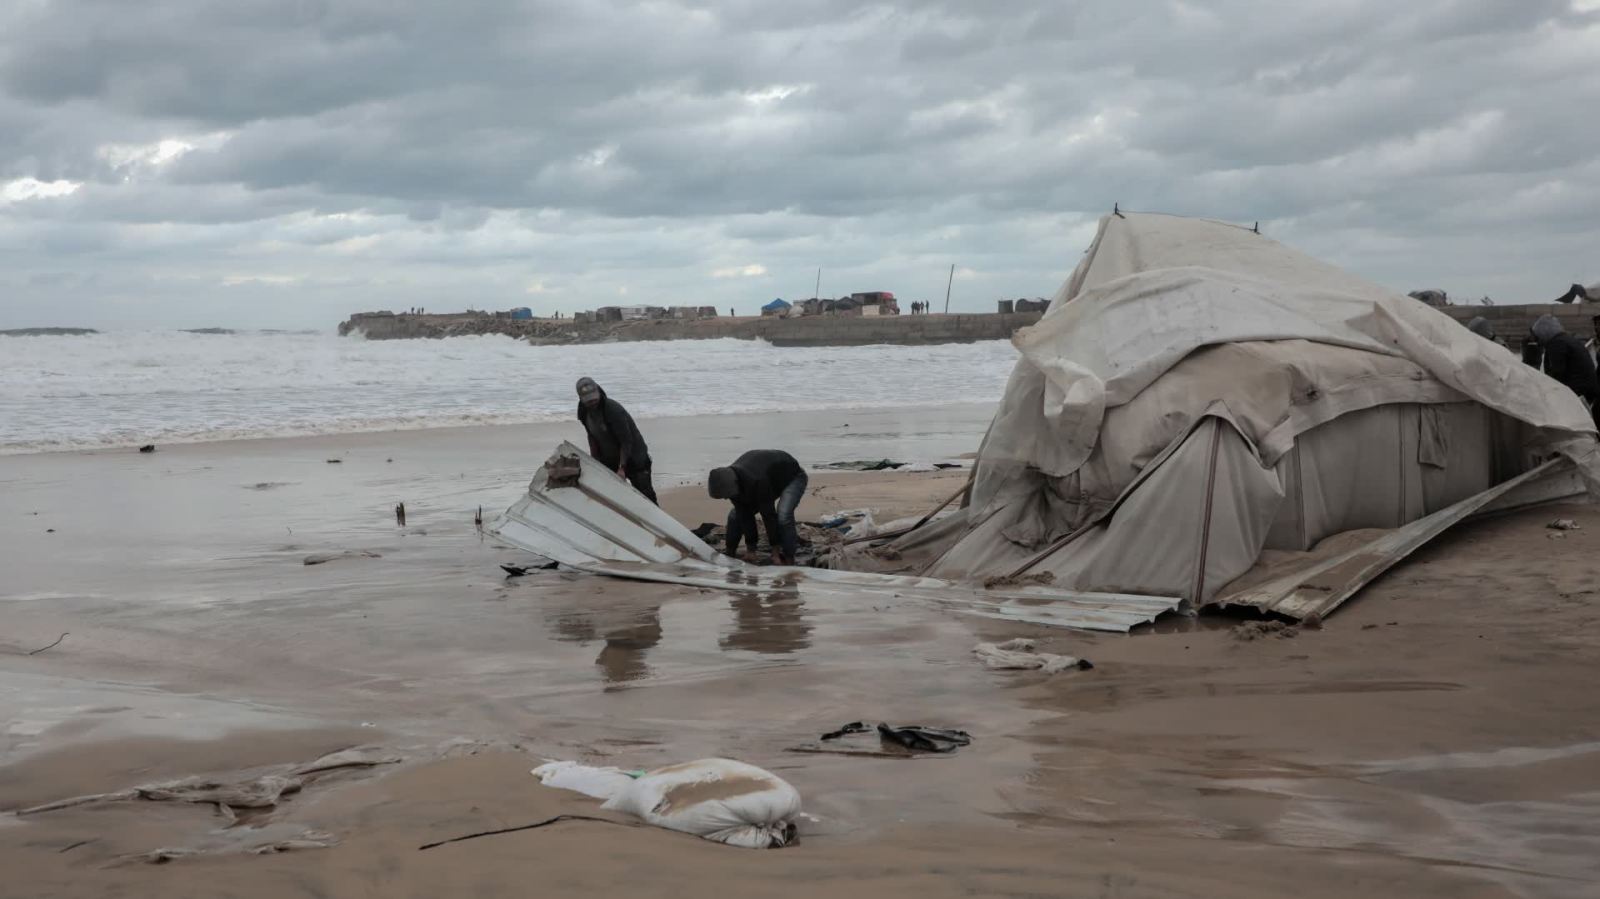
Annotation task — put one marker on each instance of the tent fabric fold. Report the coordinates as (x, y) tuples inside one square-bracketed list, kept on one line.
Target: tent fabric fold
[(1198, 394)]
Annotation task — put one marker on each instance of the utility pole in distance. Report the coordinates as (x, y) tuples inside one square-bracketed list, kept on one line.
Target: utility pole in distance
[(816, 292), (947, 285)]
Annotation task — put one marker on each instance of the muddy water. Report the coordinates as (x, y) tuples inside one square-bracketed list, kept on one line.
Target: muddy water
[(180, 579)]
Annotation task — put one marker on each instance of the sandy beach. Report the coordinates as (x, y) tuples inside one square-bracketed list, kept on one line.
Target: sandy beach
[(1437, 737)]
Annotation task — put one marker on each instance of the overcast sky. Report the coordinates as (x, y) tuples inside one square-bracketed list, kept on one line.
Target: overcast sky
[(281, 163)]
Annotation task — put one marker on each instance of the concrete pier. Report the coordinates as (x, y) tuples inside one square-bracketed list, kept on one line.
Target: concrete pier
[(806, 331)]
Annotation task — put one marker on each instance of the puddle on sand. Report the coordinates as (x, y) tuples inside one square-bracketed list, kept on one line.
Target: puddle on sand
[(1537, 847)]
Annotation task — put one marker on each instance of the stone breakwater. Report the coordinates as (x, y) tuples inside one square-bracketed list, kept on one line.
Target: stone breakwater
[(910, 330)]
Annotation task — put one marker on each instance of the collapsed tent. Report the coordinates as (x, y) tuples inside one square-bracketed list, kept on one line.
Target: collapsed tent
[(1201, 409)]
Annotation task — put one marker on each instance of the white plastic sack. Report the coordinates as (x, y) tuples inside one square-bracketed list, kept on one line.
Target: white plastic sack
[(719, 799), (598, 783), (1020, 654)]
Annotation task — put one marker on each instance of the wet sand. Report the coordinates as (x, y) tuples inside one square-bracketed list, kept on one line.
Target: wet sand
[(1439, 736)]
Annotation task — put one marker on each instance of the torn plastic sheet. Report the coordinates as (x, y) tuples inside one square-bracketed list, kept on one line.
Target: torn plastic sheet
[(598, 523)]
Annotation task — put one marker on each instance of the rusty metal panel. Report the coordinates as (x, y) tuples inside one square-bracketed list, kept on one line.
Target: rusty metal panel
[(1322, 586)]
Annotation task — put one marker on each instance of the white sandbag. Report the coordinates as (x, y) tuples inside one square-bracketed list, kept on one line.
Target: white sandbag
[(1020, 654), (719, 799), (599, 783)]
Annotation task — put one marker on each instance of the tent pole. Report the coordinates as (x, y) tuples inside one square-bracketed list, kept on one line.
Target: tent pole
[(1052, 549), (965, 486)]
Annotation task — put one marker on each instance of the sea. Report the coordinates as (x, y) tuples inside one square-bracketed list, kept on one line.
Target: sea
[(119, 389)]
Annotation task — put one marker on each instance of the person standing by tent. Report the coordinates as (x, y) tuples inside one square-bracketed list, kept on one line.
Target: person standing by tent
[(1481, 327), (765, 482), (614, 440), (1566, 359)]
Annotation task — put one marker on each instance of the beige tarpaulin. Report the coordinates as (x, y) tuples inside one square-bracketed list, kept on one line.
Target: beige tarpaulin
[(1198, 393)]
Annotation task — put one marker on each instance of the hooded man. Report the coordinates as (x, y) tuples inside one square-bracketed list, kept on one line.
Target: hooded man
[(1481, 327), (768, 482), (1566, 359), (614, 440)]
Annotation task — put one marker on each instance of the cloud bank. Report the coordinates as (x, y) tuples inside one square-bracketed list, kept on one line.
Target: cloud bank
[(261, 163)]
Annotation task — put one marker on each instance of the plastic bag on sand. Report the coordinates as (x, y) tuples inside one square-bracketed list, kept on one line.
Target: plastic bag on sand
[(719, 799), (598, 783)]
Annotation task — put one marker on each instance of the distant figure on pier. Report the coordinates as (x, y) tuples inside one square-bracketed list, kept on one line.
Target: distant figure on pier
[(614, 440)]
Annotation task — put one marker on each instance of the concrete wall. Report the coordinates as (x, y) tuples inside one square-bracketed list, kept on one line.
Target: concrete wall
[(1511, 323)]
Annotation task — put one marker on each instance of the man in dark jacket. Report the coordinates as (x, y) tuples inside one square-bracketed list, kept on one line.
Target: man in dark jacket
[(768, 482), (614, 440), (1565, 358)]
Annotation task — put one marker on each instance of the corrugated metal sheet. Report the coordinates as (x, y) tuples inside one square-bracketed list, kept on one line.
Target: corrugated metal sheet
[(1323, 586), (585, 517)]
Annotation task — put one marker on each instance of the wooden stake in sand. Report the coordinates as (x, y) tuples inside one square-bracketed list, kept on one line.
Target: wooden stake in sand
[(400, 514)]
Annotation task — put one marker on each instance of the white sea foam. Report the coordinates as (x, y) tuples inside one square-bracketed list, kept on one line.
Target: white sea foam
[(129, 388)]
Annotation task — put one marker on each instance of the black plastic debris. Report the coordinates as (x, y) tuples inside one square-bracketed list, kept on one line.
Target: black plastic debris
[(520, 570), (919, 738), (148, 448), (912, 737), (864, 465), (854, 727), (924, 739)]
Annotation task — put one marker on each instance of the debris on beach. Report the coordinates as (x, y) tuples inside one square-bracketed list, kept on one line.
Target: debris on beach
[(910, 738), (1042, 579), (721, 800), (320, 558), (849, 523), (916, 738), (1564, 524), (1021, 654), (335, 461), (520, 570), (1260, 630), (400, 514), (310, 839), (563, 470), (256, 791), (854, 727), (148, 448), (863, 465), (63, 636), (597, 523)]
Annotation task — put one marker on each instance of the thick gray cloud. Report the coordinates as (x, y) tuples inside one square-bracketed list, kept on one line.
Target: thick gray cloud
[(260, 162)]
